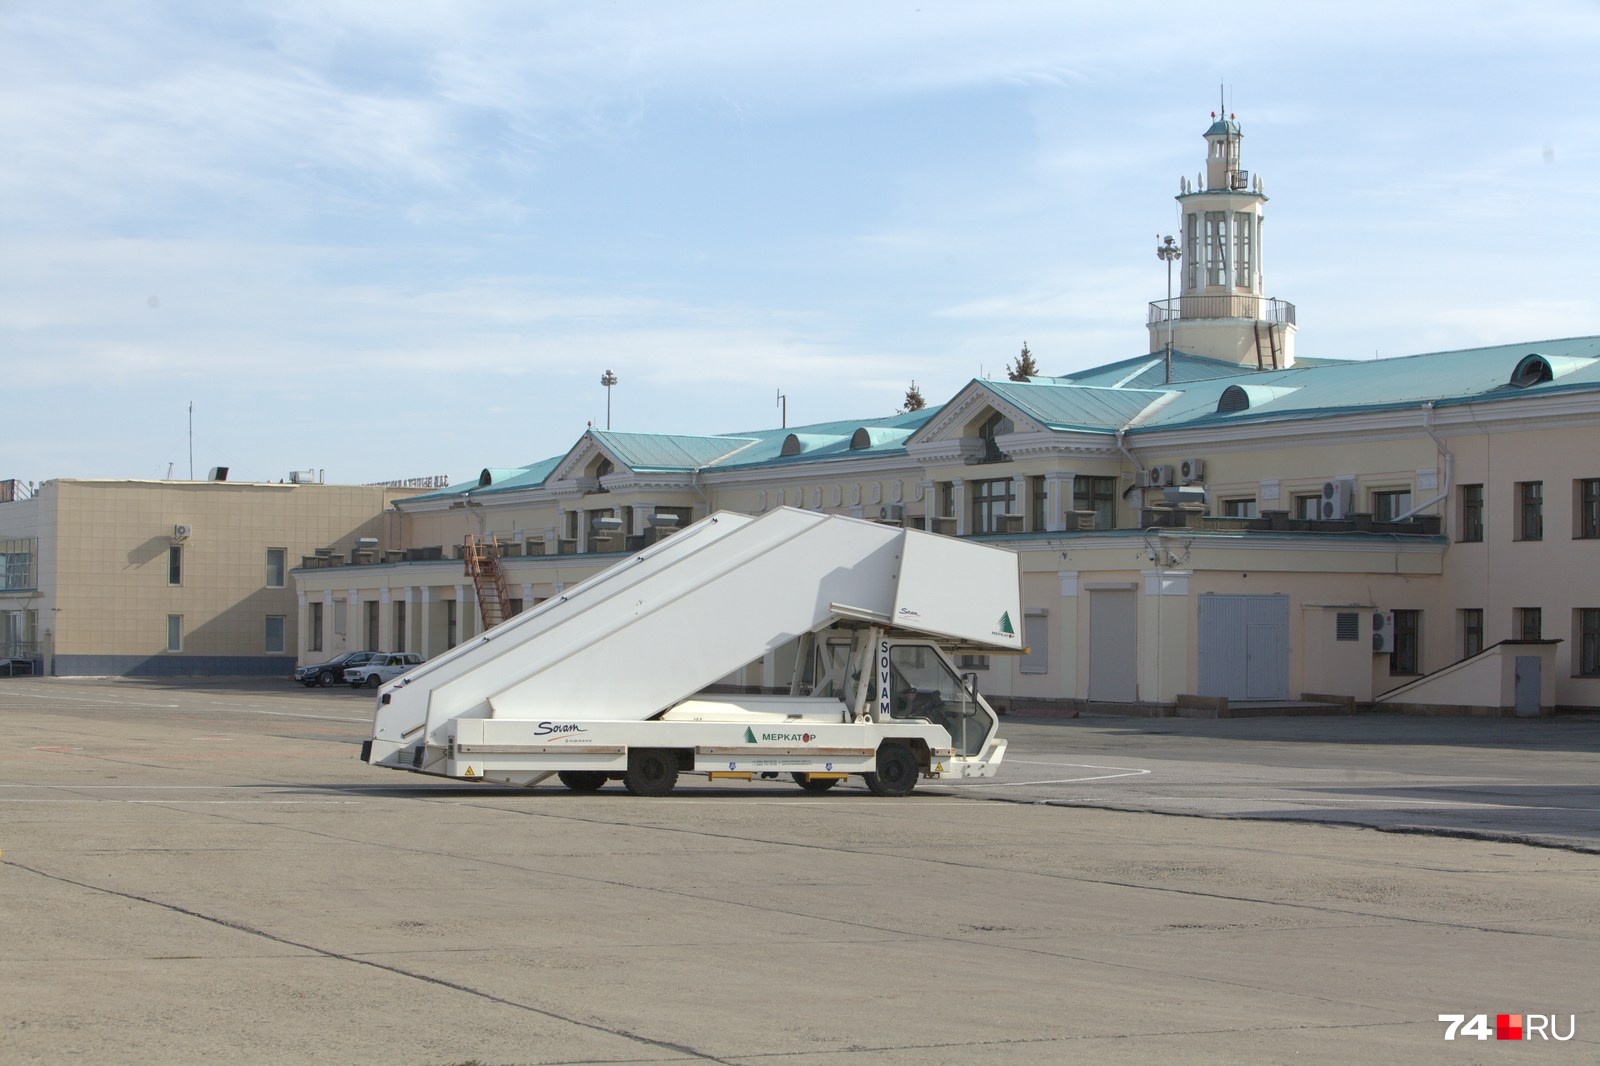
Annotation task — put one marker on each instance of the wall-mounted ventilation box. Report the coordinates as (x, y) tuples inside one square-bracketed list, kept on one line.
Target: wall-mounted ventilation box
[(182, 531)]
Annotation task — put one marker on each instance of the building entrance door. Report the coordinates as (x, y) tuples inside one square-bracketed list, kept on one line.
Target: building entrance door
[(1244, 647)]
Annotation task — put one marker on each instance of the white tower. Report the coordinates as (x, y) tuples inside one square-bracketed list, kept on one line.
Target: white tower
[(1220, 311)]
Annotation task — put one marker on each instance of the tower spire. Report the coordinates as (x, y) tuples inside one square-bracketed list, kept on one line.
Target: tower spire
[(1221, 310)]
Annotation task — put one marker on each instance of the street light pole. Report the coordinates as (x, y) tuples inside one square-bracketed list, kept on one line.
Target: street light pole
[(1169, 252), (609, 379)]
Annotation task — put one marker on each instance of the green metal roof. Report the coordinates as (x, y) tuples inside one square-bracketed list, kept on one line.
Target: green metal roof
[(1113, 396), (1474, 375), (1059, 405), (665, 452)]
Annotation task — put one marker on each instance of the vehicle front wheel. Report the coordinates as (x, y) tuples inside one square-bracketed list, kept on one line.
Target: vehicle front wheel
[(897, 771), (651, 772), (374, 681), (814, 784), (583, 780), (325, 679)]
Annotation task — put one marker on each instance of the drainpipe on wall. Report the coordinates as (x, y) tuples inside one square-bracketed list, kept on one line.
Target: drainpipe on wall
[(1444, 485), (1138, 467)]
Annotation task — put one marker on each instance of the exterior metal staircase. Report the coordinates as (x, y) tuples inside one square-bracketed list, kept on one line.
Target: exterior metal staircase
[(482, 555), (1267, 357)]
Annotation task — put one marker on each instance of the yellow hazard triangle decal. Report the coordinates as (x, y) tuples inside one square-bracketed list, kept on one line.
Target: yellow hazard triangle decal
[(469, 773)]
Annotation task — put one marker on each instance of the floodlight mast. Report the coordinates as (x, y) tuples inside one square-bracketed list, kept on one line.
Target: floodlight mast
[(608, 379), (1168, 252)]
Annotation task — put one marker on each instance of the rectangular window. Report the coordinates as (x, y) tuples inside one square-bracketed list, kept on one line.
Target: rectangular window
[(374, 634), (1471, 513), (1530, 510), (1192, 251), (1239, 508), (1308, 507), (1036, 635), (314, 623), (1389, 505), (1037, 516), (1588, 641), (400, 625), (277, 567), (449, 623), (973, 662), (1097, 494), (16, 562), (1586, 508), (1216, 234), (1530, 623), (175, 565), (513, 606), (1471, 632), (174, 632), (1407, 655), (1241, 245), (275, 629), (991, 502)]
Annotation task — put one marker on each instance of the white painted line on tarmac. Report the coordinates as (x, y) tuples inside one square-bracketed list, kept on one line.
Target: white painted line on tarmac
[(1121, 771), (91, 699)]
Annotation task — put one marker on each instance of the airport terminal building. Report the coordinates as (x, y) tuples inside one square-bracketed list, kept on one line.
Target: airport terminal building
[(1214, 521)]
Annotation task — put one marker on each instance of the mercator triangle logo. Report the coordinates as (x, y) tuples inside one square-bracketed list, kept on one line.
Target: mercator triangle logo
[(749, 737), (1005, 624)]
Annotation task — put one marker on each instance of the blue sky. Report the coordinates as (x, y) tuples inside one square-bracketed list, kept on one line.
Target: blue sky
[(398, 239)]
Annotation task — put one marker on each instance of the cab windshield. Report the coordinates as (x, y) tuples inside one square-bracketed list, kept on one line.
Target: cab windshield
[(924, 687)]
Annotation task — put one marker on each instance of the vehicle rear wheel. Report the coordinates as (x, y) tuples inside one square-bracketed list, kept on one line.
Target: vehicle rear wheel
[(374, 681), (897, 771), (583, 780), (651, 772), (814, 784), (325, 679)]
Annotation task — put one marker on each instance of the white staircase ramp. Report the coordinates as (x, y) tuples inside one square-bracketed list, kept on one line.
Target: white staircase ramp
[(662, 625)]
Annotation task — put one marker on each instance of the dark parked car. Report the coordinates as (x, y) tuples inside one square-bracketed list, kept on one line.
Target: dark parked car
[(325, 674)]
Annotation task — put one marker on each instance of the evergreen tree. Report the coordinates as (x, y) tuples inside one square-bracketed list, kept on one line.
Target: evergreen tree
[(1023, 367), (914, 400)]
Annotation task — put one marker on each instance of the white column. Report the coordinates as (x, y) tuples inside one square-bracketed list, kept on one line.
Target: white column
[(386, 632), (426, 648), (1058, 491)]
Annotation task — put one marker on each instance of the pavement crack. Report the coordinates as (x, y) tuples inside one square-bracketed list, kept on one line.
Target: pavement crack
[(399, 971)]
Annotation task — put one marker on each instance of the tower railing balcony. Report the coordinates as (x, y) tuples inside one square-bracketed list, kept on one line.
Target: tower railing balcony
[(1258, 308)]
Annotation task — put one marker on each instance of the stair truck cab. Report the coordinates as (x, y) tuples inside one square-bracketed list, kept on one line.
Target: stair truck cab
[(607, 680)]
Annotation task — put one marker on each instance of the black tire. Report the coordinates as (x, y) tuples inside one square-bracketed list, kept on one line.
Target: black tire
[(897, 771), (325, 679), (583, 780), (814, 784), (651, 772), (373, 681)]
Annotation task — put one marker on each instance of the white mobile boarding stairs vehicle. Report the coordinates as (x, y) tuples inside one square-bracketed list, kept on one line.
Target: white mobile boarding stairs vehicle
[(604, 681)]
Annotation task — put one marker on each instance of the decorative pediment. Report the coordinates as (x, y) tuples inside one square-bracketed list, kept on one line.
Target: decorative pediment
[(583, 460)]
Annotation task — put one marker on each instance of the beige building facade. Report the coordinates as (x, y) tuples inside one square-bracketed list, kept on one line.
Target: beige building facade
[(157, 578)]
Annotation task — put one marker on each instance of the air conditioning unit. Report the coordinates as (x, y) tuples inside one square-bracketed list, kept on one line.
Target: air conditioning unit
[(302, 477), (1337, 500), (892, 512), (1162, 476), (1382, 631), (182, 531), (1192, 470)]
